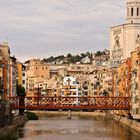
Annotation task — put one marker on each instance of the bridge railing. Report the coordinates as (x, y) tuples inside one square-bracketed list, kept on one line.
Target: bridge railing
[(70, 102)]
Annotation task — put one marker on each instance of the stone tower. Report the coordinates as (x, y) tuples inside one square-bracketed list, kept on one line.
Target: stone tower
[(133, 11)]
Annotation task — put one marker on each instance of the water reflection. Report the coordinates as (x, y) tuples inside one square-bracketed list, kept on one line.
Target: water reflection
[(78, 128)]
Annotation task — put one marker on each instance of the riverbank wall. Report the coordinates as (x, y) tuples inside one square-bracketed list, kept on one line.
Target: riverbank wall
[(80, 113), (18, 121), (74, 113), (133, 124)]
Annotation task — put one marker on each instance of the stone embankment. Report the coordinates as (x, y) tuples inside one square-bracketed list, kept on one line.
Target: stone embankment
[(73, 113), (16, 123), (80, 113), (133, 124)]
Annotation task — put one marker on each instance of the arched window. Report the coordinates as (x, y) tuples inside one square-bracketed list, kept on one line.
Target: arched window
[(132, 11), (137, 11)]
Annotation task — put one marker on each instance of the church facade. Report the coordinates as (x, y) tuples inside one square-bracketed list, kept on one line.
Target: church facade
[(125, 38)]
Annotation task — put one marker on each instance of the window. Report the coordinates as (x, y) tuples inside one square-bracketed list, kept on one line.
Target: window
[(137, 11), (95, 87), (46, 68), (132, 11), (23, 81), (42, 68), (79, 93), (136, 99), (137, 111), (85, 93), (78, 67), (74, 93), (95, 93), (23, 74), (36, 68)]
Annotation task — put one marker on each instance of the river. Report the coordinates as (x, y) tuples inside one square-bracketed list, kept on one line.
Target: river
[(77, 128)]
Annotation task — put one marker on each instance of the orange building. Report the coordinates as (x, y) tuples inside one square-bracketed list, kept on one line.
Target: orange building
[(135, 84), (122, 82), (21, 76)]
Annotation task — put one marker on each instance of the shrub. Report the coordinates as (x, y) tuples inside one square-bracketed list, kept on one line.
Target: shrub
[(31, 116)]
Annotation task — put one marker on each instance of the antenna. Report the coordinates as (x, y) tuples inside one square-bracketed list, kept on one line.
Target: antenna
[(6, 40)]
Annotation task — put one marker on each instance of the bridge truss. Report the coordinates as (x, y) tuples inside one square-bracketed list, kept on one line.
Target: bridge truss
[(96, 103)]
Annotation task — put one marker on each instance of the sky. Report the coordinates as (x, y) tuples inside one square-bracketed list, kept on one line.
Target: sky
[(44, 28)]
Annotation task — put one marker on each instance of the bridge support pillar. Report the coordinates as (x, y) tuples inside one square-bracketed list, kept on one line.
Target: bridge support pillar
[(69, 114)]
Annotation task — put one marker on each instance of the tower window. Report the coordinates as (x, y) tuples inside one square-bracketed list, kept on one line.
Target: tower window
[(132, 11), (137, 11)]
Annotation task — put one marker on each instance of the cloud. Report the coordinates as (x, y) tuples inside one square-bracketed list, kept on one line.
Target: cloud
[(40, 28)]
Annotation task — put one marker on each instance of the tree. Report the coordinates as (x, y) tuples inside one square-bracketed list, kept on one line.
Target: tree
[(69, 55), (26, 62), (77, 58), (87, 54), (99, 53), (60, 57), (83, 55), (91, 58), (21, 93), (21, 90)]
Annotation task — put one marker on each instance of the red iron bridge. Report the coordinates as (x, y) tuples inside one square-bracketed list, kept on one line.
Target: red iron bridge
[(70, 103)]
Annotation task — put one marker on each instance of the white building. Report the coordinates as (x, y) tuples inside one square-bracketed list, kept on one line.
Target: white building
[(125, 38), (71, 87)]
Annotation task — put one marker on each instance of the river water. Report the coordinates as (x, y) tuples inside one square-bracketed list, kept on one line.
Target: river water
[(78, 128)]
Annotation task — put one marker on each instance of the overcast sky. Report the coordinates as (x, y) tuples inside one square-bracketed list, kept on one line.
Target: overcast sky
[(41, 28)]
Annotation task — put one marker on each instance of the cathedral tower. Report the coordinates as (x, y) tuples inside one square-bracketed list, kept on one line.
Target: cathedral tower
[(133, 11)]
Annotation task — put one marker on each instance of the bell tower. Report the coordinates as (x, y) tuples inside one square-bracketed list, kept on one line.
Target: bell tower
[(133, 11)]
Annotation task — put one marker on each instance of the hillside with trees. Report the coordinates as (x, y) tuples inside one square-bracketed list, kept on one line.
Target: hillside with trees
[(68, 59), (83, 58)]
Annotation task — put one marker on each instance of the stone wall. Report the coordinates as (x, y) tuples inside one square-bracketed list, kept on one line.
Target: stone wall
[(133, 124), (17, 122)]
